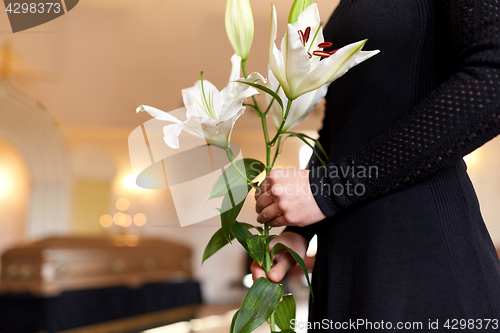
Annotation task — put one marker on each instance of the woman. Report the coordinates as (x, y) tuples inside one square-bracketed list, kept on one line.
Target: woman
[(404, 240)]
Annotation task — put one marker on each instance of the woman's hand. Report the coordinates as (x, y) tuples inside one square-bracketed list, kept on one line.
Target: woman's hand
[(283, 261), (285, 199)]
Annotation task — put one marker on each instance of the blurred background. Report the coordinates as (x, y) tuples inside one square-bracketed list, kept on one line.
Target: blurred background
[(68, 93)]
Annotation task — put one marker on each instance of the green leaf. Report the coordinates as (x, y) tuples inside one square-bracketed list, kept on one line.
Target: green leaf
[(251, 226), (279, 247), (231, 329), (287, 331), (257, 247), (318, 144), (316, 141), (303, 137), (259, 303), (231, 206), (218, 240), (230, 177), (240, 231), (260, 230), (266, 90), (285, 312)]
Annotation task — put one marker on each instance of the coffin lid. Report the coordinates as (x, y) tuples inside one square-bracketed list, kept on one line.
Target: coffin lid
[(92, 243)]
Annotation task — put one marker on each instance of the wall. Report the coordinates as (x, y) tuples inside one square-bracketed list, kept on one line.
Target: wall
[(14, 195)]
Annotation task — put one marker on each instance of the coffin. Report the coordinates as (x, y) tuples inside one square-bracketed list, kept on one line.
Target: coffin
[(56, 264), (98, 285)]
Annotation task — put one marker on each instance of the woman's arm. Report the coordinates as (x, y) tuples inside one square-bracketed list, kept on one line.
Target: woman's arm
[(459, 116), (324, 138)]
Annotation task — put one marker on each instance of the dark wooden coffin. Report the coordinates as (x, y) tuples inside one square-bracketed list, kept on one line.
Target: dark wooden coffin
[(56, 264), (98, 285)]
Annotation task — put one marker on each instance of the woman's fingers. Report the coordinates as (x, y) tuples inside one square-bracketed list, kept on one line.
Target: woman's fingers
[(263, 201), (285, 198), (263, 188), (257, 271), (278, 271), (278, 221), (269, 213), (282, 261)]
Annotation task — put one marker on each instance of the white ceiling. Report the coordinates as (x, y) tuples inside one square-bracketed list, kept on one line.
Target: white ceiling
[(106, 57)]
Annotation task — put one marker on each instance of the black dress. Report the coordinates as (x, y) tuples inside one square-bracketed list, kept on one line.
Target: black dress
[(404, 241)]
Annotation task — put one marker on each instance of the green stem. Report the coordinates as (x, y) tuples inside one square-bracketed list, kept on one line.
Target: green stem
[(268, 146), (268, 263), (262, 116), (268, 260), (230, 156), (283, 120), (278, 147), (244, 68), (272, 101), (269, 165), (267, 267), (255, 104)]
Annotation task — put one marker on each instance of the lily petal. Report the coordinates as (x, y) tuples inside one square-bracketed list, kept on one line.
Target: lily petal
[(235, 75), (171, 134), (255, 77), (275, 56), (233, 106), (354, 60), (292, 66), (301, 106), (310, 18), (158, 114), (297, 60), (225, 128), (239, 92), (194, 126), (210, 114), (200, 102), (310, 14), (327, 68), (304, 104)]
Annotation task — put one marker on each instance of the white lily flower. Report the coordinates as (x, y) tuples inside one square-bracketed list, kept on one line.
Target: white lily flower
[(300, 108), (301, 65), (239, 26), (216, 111)]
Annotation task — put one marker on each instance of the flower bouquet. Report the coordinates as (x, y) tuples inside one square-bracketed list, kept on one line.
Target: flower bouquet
[(298, 78)]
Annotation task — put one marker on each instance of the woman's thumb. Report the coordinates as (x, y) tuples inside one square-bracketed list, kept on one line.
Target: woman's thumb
[(280, 268)]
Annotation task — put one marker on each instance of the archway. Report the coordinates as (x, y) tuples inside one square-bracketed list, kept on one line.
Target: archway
[(36, 135)]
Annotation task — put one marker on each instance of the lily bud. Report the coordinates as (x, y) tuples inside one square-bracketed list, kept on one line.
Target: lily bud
[(297, 8), (239, 26)]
